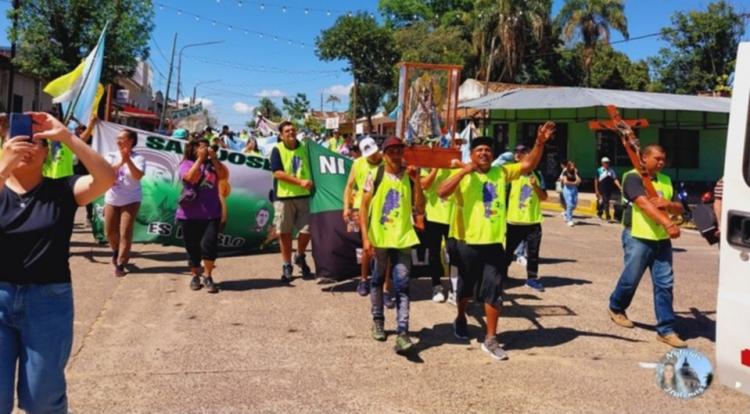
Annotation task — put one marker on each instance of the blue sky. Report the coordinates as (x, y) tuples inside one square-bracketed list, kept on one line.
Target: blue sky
[(276, 56)]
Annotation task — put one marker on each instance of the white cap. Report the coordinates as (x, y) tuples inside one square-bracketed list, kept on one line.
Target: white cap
[(605, 159), (368, 146)]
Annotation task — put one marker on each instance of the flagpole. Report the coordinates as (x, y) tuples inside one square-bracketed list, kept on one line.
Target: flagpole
[(165, 104), (11, 80), (86, 76)]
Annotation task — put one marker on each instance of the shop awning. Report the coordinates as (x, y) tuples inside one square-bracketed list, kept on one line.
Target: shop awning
[(570, 97)]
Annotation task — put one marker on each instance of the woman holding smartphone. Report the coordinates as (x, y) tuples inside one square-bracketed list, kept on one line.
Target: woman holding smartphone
[(200, 211), (36, 298)]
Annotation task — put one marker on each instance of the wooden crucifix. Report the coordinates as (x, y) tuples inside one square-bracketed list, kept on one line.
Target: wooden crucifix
[(624, 129)]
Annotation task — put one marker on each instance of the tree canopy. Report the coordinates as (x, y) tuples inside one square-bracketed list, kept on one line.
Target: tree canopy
[(54, 36), (702, 49), (296, 108)]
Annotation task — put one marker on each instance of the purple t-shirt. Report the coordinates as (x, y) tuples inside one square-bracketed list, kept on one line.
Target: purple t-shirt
[(207, 204)]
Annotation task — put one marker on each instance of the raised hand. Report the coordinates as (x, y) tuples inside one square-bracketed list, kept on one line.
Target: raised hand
[(545, 132)]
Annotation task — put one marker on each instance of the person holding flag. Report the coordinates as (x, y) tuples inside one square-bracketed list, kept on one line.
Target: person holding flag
[(388, 235), (481, 189)]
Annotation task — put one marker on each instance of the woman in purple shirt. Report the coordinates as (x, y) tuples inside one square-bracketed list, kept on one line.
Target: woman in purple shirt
[(199, 210)]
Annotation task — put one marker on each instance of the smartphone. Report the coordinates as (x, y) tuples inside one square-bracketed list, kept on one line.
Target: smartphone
[(20, 124)]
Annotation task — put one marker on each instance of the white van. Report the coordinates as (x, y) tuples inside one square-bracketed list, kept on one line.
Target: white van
[(733, 309)]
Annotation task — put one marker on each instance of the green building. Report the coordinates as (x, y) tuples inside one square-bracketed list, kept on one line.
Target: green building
[(692, 129)]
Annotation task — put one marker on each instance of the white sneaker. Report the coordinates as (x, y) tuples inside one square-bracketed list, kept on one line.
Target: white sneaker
[(452, 298), (571, 223), (562, 214), (521, 260), (437, 294)]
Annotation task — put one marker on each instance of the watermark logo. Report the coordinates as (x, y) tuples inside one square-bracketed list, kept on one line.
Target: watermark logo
[(684, 373)]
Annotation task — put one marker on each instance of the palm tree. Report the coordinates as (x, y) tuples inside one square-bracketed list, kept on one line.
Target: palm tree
[(502, 30), (592, 20), (333, 100)]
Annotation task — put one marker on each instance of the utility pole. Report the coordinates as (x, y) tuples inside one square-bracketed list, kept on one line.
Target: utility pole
[(165, 104), (9, 108), (179, 63)]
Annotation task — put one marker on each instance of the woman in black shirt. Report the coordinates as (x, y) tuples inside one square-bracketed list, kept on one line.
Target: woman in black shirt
[(36, 300)]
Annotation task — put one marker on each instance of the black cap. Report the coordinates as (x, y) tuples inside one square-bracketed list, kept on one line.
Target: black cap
[(488, 141), (522, 148)]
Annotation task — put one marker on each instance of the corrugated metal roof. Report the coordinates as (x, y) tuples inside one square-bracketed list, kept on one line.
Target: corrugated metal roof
[(569, 97)]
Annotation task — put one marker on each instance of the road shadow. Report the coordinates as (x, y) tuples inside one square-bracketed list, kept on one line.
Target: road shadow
[(698, 325), (678, 250), (549, 282), (555, 260), (586, 223), (251, 284), (548, 337)]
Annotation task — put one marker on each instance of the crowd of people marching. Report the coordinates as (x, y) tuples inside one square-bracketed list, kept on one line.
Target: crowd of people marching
[(485, 214)]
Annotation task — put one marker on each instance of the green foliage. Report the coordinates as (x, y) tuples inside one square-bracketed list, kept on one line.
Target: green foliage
[(333, 100), (268, 109), (400, 13), (296, 108), (54, 36), (422, 43), (614, 70), (313, 125), (702, 49), (369, 98), (367, 48), (592, 22)]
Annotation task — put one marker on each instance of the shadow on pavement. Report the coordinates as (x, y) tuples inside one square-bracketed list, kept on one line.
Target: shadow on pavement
[(555, 260), (548, 337), (548, 282), (699, 326), (251, 284)]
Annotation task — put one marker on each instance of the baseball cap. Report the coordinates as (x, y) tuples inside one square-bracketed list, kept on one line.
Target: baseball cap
[(180, 133), (390, 142), (481, 141), (605, 159), (368, 146), (521, 148)]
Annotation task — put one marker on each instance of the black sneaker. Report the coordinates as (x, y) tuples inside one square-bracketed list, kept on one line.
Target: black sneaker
[(461, 328), (363, 287), (286, 275), (299, 260), (195, 283), (210, 285)]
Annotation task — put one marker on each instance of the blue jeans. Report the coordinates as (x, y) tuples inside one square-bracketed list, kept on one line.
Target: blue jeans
[(639, 255), (400, 262), (36, 332), (570, 193)]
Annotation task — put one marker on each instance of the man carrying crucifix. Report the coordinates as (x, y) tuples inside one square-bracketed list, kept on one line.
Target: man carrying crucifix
[(646, 242)]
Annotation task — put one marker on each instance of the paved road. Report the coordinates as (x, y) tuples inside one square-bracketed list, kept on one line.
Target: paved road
[(147, 344)]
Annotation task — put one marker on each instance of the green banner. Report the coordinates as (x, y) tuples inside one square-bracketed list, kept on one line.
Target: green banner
[(250, 211)]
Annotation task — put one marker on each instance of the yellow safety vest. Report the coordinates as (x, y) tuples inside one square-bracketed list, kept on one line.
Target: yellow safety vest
[(296, 164), (523, 203), (390, 214), (644, 227), (362, 168), (483, 211)]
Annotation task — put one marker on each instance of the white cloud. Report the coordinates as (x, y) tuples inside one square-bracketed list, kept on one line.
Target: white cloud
[(243, 108), (338, 90), (207, 103), (271, 93)]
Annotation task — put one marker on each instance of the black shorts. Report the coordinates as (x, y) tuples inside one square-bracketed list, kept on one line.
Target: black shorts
[(483, 266)]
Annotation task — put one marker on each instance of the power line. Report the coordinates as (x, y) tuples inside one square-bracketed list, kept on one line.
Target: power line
[(254, 68), (158, 49), (231, 27)]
